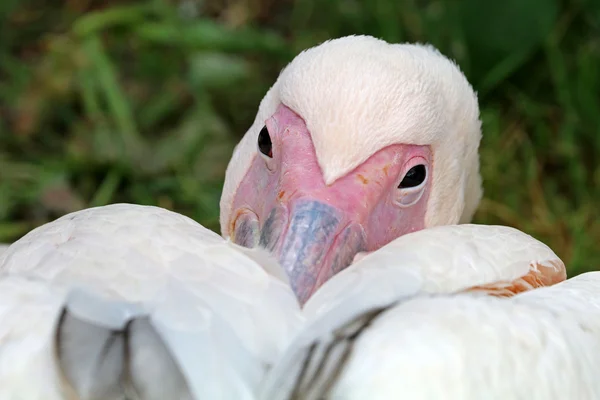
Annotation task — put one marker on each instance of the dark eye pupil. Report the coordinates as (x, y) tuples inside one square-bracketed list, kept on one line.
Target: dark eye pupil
[(414, 177), (264, 142)]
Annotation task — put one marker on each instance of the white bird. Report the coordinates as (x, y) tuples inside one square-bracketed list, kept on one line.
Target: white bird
[(224, 313), (358, 142), (392, 329)]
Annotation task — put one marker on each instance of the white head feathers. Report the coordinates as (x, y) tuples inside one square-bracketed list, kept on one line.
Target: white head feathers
[(357, 95)]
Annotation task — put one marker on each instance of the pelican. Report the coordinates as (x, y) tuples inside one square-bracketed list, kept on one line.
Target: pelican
[(358, 142), (359, 146)]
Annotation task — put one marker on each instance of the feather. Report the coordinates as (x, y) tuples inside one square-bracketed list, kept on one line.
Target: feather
[(404, 321), (220, 316), (90, 347)]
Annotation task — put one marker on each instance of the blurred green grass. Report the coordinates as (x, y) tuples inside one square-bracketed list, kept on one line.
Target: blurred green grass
[(120, 101)]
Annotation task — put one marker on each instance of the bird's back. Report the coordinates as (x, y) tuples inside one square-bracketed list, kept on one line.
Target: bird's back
[(218, 310), (541, 344), (421, 318)]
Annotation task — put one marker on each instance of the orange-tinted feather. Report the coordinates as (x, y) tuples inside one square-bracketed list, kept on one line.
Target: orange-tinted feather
[(539, 275)]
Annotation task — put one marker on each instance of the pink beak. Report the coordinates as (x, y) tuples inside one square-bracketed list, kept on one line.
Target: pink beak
[(318, 243), (315, 229)]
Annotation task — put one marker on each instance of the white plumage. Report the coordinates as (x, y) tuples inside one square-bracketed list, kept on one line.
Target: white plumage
[(218, 320), (443, 259), (378, 330), (541, 344), (224, 317), (28, 310)]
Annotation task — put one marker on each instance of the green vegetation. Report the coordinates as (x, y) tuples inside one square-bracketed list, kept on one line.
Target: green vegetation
[(112, 101)]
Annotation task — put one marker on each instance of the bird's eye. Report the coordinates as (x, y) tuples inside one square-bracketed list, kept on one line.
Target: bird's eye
[(414, 177), (264, 142)]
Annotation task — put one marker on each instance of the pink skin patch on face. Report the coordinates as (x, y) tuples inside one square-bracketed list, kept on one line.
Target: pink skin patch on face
[(314, 229)]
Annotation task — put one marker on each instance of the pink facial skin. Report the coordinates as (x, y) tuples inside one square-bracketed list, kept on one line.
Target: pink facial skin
[(315, 230)]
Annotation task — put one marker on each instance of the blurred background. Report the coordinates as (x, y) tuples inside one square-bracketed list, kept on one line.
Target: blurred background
[(143, 101)]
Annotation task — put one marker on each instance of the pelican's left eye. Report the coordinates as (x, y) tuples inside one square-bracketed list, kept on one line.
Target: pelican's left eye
[(264, 142), (414, 177)]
